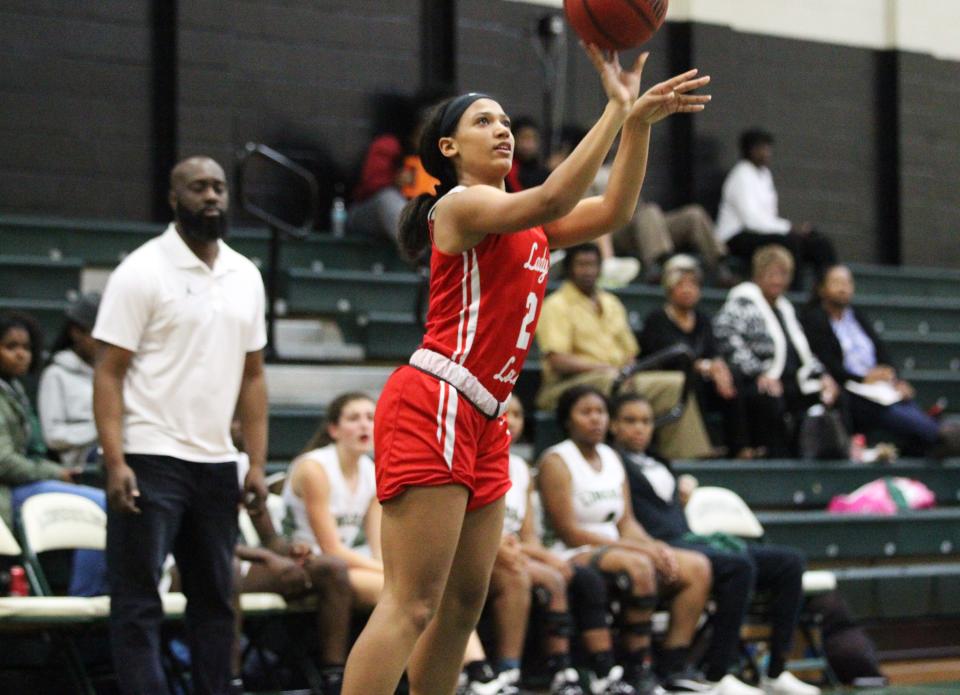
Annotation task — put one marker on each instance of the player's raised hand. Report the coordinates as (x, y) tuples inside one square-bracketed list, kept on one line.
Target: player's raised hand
[(621, 86), (671, 96)]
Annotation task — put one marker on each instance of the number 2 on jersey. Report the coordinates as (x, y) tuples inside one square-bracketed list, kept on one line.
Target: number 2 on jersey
[(523, 340)]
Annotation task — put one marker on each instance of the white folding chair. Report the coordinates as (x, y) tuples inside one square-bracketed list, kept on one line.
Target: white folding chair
[(56, 521), (718, 510)]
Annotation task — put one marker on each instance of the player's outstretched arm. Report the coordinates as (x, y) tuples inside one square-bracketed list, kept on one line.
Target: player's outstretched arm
[(594, 217), (482, 209)]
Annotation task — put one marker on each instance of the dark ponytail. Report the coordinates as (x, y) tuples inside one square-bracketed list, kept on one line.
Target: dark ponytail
[(441, 121)]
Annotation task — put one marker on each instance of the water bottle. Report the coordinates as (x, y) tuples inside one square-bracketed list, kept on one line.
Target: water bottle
[(858, 443), (18, 582), (338, 214)]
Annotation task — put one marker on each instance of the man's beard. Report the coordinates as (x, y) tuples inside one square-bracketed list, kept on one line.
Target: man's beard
[(200, 227)]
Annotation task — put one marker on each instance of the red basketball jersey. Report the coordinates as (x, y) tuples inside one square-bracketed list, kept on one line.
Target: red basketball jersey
[(485, 303)]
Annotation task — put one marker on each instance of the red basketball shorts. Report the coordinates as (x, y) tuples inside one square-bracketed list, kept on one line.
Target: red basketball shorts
[(426, 433)]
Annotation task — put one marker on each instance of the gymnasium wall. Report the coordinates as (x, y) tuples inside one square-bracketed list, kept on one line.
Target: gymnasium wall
[(298, 75), (95, 103), (929, 158), (75, 107), (817, 100)]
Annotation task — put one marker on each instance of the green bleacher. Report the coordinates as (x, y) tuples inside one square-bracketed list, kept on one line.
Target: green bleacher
[(36, 277), (802, 485), (105, 243), (888, 567), (291, 427)]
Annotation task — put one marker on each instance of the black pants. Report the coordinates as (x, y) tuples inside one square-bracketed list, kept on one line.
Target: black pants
[(772, 569), (812, 248), (190, 509), (774, 422), (733, 413), (905, 419)]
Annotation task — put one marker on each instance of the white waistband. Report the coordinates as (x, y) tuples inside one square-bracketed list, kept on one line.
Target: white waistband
[(460, 378)]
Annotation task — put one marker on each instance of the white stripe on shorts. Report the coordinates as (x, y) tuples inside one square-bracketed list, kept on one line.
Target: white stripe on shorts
[(443, 388), (451, 427)]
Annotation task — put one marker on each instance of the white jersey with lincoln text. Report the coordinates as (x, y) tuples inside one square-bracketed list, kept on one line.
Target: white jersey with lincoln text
[(348, 506), (597, 494)]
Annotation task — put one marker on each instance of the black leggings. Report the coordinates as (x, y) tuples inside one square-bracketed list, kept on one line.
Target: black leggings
[(736, 576), (587, 592)]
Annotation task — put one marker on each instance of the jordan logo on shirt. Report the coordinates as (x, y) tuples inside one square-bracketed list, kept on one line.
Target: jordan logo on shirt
[(538, 264)]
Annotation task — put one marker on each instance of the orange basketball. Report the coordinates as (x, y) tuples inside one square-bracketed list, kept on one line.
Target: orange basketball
[(615, 24)]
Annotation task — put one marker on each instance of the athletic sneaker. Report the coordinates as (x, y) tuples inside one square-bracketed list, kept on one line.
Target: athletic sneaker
[(485, 682), (617, 272), (689, 680), (731, 685), (566, 682), (510, 677), (612, 684), (643, 680), (788, 684)]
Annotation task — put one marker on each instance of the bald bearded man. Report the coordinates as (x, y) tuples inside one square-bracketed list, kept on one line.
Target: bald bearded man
[(181, 335)]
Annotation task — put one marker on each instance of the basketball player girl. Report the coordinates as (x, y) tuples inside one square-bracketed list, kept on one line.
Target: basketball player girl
[(441, 440)]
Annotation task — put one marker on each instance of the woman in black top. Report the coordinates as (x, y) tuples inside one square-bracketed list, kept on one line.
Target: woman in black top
[(679, 321)]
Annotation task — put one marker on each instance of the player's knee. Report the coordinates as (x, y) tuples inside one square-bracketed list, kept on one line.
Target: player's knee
[(554, 582), (330, 574), (520, 582), (419, 612), (467, 600), (643, 575), (701, 573)]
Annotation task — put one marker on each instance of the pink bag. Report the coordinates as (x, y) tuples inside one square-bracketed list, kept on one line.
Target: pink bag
[(884, 496)]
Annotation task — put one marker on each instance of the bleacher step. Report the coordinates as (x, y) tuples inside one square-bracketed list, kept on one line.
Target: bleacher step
[(317, 385), (314, 339)]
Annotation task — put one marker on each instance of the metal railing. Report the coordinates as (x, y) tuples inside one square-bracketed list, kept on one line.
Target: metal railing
[(280, 229)]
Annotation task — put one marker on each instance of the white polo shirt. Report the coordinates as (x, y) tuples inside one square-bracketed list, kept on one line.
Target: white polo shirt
[(749, 201), (190, 327)]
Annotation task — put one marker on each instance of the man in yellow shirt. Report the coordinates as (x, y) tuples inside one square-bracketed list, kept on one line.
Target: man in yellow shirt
[(585, 338)]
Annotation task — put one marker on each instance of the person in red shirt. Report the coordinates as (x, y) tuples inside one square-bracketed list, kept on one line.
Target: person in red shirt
[(391, 173), (441, 439)]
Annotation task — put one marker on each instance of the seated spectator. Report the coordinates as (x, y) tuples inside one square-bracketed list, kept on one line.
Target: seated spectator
[(527, 170), (615, 272), (657, 499), (749, 216), (585, 338), (293, 570), (775, 371), (586, 498), (680, 321), (392, 172), (330, 495), (579, 590), (23, 470), (331, 503), (653, 236), (65, 396), (842, 337)]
